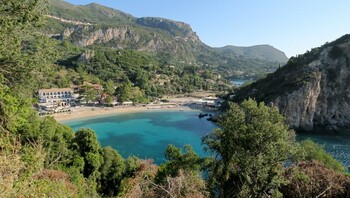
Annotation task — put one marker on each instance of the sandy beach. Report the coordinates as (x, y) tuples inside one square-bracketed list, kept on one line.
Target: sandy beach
[(174, 103), (84, 112)]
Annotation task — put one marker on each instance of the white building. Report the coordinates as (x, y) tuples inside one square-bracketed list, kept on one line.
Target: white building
[(56, 97)]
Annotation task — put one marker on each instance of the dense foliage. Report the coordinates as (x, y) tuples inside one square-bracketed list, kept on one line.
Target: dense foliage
[(42, 158), (251, 147)]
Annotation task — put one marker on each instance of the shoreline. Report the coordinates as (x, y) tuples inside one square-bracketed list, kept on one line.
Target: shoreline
[(87, 112)]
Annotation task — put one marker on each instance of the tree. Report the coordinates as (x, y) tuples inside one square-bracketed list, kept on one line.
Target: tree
[(109, 87), (87, 146), (123, 91), (56, 140), (176, 161), (109, 99), (112, 170), (137, 95), (90, 93), (250, 146), (16, 19)]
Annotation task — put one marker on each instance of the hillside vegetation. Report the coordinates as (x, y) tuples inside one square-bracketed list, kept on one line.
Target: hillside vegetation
[(42, 158), (311, 90), (171, 41)]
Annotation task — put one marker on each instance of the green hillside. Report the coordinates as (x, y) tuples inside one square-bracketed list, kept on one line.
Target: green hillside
[(92, 13), (40, 157), (172, 41), (262, 52)]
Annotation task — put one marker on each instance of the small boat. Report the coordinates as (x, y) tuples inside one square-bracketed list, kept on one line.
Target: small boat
[(201, 115)]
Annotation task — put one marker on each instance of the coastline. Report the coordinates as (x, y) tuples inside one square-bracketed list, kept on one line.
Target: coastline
[(180, 103), (86, 112)]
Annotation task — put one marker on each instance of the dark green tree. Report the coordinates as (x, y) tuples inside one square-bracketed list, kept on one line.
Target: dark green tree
[(90, 94), (16, 20), (87, 146), (109, 87), (250, 146), (124, 91), (112, 170), (178, 160)]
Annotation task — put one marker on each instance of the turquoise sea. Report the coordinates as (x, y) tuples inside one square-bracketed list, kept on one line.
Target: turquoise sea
[(147, 134), (336, 144)]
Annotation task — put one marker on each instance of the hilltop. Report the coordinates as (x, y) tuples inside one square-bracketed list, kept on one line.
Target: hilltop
[(262, 52)]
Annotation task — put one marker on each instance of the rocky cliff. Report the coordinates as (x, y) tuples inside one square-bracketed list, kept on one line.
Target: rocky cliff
[(124, 38), (312, 91)]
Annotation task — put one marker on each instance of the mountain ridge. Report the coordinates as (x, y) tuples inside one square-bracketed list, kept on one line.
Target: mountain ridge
[(176, 40), (262, 51)]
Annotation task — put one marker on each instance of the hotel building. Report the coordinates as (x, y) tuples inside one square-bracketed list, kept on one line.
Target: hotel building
[(56, 97)]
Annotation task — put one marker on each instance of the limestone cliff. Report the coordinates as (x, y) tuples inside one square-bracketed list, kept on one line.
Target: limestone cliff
[(312, 91), (127, 38)]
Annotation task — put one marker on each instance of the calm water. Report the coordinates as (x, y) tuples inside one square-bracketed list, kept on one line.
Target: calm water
[(239, 82), (337, 145), (147, 134)]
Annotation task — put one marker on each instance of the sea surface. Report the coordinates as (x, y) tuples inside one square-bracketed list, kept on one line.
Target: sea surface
[(239, 82), (338, 145), (147, 134)]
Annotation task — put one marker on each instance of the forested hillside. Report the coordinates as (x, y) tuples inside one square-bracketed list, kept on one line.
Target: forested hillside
[(172, 42), (147, 57), (42, 158)]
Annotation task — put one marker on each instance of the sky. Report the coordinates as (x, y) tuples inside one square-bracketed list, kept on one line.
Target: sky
[(292, 26)]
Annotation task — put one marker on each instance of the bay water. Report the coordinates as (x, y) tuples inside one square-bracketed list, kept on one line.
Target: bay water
[(147, 134)]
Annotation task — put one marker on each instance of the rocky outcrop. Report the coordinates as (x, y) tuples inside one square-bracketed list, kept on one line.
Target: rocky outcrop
[(104, 36), (179, 30), (299, 107), (87, 55), (121, 38), (317, 96), (323, 104), (69, 31)]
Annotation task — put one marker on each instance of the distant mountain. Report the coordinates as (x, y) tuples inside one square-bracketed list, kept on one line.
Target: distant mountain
[(311, 90), (172, 41), (263, 52)]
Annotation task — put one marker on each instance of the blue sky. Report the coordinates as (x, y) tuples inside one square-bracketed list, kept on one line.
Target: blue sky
[(292, 26)]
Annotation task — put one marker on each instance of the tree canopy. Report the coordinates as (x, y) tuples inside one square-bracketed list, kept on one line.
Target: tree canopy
[(250, 146)]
